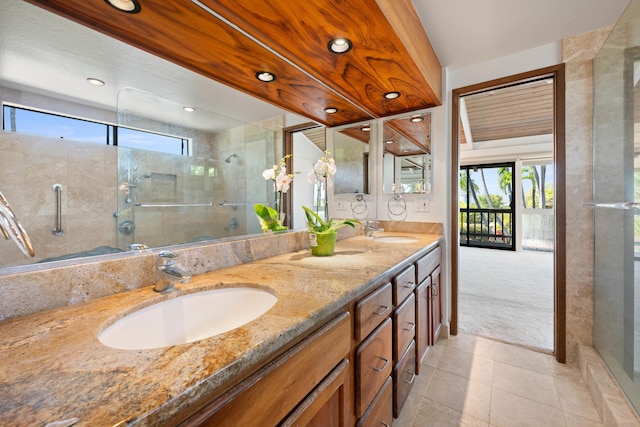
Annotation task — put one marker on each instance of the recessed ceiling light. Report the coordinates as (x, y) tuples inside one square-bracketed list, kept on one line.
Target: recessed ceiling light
[(405, 151), (330, 110), (265, 76), (365, 129), (340, 45), (95, 82), (392, 95), (128, 6), (416, 119), (389, 141), (189, 109)]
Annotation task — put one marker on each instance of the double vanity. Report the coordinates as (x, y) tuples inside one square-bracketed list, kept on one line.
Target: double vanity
[(336, 342)]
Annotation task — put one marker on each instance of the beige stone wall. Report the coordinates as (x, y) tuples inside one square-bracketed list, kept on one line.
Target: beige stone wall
[(578, 53)]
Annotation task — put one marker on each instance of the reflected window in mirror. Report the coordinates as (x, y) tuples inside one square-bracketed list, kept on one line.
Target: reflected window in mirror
[(57, 125), (351, 153), (407, 154)]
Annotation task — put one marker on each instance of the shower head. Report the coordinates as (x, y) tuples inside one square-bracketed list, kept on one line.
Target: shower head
[(146, 175), (228, 159)]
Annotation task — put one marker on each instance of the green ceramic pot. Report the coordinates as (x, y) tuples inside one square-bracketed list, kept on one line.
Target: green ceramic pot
[(322, 244)]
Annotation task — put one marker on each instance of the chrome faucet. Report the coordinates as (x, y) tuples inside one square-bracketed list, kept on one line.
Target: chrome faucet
[(371, 227), (168, 272)]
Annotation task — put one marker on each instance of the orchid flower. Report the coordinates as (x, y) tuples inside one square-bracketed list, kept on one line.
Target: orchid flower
[(269, 217)]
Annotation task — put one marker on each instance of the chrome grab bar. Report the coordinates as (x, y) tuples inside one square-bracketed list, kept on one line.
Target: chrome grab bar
[(172, 205), (58, 189), (225, 203), (11, 228)]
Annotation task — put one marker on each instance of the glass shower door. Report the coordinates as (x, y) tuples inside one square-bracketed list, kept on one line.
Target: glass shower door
[(616, 209)]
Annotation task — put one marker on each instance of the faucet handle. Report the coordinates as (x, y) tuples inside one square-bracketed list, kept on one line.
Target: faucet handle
[(166, 257)]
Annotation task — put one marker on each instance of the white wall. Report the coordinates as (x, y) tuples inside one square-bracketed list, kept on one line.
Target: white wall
[(305, 155)]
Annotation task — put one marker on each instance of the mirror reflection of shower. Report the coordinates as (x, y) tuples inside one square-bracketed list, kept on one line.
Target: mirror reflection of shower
[(134, 185), (228, 159)]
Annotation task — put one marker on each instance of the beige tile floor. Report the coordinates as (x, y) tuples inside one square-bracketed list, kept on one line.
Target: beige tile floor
[(473, 381)]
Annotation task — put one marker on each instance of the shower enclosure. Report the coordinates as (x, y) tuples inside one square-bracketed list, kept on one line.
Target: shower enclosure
[(616, 170), (204, 192)]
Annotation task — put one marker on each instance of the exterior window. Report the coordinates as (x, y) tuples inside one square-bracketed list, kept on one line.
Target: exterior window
[(143, 140), (18, 119)]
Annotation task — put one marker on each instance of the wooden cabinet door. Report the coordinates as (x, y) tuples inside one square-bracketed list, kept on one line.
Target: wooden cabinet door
[(423, 321), (373, 365), (328, 404), (436, 307)]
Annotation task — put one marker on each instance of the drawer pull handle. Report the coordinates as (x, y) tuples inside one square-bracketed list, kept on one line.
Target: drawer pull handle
[(382, 310), (410, 328), (386, 362), (413, 377), (434, 292), (409, 285)]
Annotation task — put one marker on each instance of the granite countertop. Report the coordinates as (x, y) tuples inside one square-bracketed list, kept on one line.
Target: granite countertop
[(54, 368)]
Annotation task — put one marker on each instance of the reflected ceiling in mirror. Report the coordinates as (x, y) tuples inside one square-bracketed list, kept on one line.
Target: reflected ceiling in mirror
[(409, 135), (407, 154)]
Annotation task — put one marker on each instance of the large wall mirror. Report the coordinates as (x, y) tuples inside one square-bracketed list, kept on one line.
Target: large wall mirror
[(351, 153), (164, 176), (407, 155)]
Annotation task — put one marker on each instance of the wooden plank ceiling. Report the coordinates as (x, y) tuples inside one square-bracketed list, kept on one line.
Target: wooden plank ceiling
[(522, 110), (230, 41)]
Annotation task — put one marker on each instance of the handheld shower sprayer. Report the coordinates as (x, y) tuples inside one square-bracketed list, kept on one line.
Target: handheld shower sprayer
[(228, 159)]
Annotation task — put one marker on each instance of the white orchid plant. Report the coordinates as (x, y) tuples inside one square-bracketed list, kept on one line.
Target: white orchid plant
[(322, 177), (270, 218)]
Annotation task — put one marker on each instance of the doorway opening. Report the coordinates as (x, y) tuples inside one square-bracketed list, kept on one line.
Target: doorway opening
[(306, 143), (506, 133)]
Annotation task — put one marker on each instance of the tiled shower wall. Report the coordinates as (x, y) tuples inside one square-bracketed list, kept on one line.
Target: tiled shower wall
[(578, 54)]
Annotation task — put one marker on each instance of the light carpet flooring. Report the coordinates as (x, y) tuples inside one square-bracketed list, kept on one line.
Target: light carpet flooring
[(474, 381), (507, 295)]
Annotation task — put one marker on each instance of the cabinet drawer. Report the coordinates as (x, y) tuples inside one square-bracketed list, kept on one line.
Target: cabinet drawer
[(372, 310), (404, 375), (404, 325), (403, 285), (380, 413), (428, 263), (373, 366)]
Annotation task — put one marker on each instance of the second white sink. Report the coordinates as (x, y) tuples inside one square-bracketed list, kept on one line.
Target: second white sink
[(188, 318)]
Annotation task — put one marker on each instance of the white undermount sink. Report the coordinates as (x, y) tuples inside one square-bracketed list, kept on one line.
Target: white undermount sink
[(188, 318), (395, 239)]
